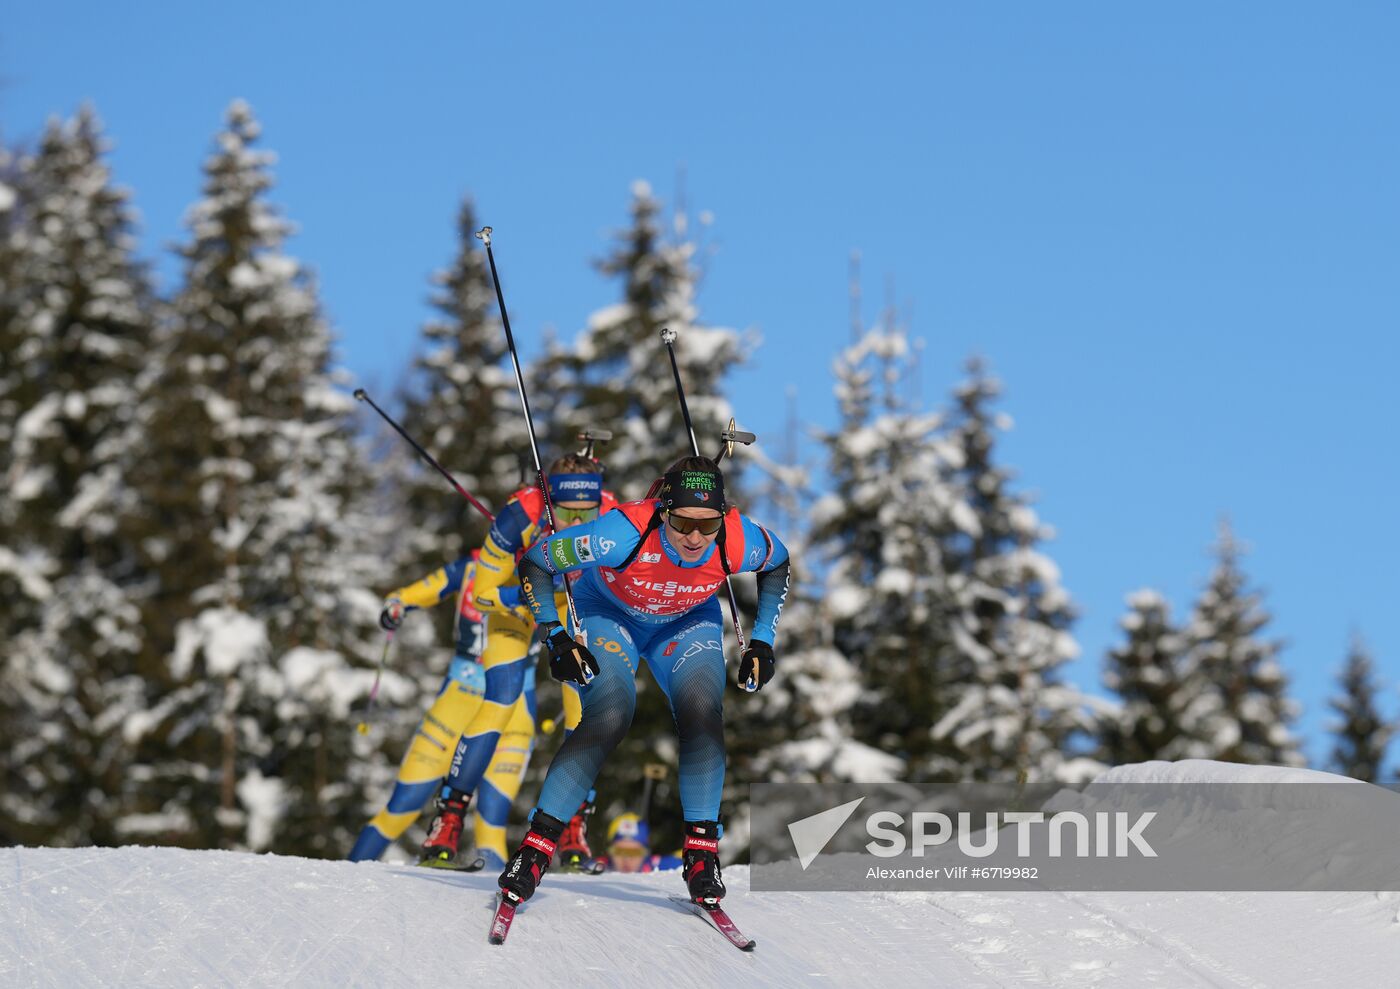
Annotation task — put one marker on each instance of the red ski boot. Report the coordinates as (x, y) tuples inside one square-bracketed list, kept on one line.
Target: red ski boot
[(700, 856), (445, 832), (531, 860), (574, 853)]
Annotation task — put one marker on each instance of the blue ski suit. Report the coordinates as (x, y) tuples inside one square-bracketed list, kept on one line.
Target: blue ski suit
[(637, 600)]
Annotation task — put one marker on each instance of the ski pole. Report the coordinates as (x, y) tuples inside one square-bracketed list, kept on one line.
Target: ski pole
[(363, 726), (668, 337), (484, 235), (363, 396), (729, 436)]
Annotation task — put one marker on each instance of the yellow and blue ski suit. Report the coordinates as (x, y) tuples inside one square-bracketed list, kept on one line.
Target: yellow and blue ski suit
[(510, 630), (458, 701)]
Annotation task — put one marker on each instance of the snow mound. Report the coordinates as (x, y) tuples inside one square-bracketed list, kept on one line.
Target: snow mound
[(1209, 771), (159, 918)]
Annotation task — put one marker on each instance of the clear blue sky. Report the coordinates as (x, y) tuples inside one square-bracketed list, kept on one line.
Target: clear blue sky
[(1174, 231)]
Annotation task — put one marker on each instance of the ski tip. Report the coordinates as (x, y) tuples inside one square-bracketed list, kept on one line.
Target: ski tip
[(717, 918)]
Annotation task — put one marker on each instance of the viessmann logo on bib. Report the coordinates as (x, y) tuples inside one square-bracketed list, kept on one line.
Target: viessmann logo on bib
[(671, 589)]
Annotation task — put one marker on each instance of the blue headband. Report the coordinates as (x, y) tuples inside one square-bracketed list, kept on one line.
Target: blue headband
[(576, 487)]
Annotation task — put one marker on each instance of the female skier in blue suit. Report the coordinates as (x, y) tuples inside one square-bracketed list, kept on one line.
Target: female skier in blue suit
[(649, 573)]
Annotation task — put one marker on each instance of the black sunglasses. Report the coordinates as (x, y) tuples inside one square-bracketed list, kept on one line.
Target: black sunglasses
[(684, 525)]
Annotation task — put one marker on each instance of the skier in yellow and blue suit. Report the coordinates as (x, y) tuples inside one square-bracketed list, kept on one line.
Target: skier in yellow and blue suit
[(576, 491), (459, 698), (488, 715)]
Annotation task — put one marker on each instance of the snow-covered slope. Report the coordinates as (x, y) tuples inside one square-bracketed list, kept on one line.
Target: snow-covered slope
[(170, 918)]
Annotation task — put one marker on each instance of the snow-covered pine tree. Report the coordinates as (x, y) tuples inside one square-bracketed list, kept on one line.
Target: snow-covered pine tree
[(75, 322), (551, 377), (262, 602), (1144, 671), (1012, 717), (621, 374), (461, 403), (1238, 708), (1363, 733), (17, 603), (800, 727), (13, 383), (880, 530)]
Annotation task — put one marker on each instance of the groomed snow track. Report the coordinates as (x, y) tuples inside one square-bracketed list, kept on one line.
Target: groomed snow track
[(166, 918)]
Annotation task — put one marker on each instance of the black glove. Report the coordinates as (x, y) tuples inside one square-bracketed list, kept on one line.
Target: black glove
[(392, 615), (756, 666), (569, 661)]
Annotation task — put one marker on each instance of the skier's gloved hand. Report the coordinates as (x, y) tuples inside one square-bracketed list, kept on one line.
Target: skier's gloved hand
[(569, 661), (756, 666), (392, 615)]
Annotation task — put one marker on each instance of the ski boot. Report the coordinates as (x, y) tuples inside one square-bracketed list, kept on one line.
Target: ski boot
[(531, 860), (574, 853), (700, 856), (445, 832)]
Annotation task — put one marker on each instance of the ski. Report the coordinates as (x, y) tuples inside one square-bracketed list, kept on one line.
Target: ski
[(476, 865), (500, 921), (720, 921)]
